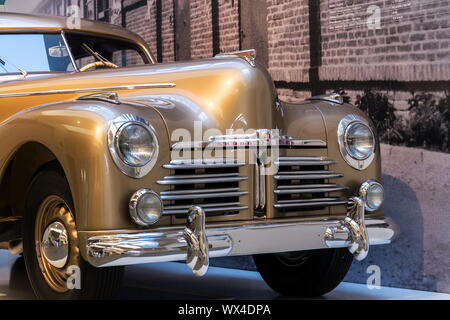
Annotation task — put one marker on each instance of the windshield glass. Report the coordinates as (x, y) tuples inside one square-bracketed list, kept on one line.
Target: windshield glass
[(120, 52), (34, 53)]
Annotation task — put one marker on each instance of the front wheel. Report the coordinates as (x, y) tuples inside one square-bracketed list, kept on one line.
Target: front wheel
[(304, 274), (54, 265)]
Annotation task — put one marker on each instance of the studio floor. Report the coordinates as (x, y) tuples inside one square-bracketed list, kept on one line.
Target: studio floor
[(174, 281)]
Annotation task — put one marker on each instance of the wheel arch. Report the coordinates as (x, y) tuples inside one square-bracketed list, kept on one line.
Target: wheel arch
[(22, 166)]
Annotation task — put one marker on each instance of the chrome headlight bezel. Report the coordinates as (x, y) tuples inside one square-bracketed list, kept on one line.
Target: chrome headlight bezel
[(364, 192), (134, 204), (116, 128), (344, 125)]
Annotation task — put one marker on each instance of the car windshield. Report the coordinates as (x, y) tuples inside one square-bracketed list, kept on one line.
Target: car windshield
[(34, 53), (122, 53), (43, 53)]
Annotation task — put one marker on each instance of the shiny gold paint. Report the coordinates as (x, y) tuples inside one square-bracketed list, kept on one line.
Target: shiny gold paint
[(219, 93)]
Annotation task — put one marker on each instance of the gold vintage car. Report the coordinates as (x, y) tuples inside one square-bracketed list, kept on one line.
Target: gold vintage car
[(110, 159)]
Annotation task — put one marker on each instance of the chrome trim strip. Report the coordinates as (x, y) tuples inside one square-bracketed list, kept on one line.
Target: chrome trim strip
[(204, 206), (308, 186), (243, 143), (313, 200), (309, 203), (196, 191), (87, 90), (303, 158), (308, 176), (201, 176), (204, 195), (175, 166), (168, 244), (260, 188), (282, 163), (169, 212), (200, 181), (312, 190), (72, 59)]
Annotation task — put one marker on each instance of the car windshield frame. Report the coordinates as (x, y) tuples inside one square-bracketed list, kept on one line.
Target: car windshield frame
[(144, 53)]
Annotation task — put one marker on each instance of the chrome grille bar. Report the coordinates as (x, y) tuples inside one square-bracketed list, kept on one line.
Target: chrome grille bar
[(217, 191), (168, 211), (308, 176), (204, 196), (304, 161), (203, 164), (222, 179), (319, 202), (300, 188), (312, 190)]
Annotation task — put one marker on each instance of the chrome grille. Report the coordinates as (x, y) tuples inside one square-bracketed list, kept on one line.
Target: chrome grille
[(213, 184), (304, 183)]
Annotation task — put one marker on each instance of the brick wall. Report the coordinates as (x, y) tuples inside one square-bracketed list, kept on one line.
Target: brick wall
[(167, 30), (138, 21), (201, 29), (151, 25), (229, 25), (410, 45), (288, 32)]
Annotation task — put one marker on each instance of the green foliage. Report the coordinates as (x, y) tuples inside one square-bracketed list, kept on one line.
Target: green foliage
[(427, 126), (382, 112)]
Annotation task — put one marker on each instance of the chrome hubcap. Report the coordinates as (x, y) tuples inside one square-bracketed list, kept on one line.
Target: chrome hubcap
[(55, 244)]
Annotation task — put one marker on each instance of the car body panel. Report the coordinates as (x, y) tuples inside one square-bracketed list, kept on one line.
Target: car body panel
[(221, 93)]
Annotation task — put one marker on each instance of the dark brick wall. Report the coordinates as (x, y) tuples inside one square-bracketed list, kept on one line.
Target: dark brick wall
[(201, 29), (289, 42), (413, 48), (228, 25)]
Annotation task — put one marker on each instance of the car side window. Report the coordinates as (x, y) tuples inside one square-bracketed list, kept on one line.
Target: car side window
[(33, 53)]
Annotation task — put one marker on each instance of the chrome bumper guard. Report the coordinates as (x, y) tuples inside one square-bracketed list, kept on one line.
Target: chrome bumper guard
[(195, 244)]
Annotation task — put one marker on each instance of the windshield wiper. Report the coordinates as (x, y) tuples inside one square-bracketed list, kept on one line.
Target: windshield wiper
[(97, 56), (3, 61)]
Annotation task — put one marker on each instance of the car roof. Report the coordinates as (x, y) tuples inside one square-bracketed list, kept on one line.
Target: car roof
[(16, 22)]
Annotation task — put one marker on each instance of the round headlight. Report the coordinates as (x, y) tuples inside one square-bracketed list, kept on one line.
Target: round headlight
[(136, 145), (133, 145), (145, 207), (373, 194), (359, 141)]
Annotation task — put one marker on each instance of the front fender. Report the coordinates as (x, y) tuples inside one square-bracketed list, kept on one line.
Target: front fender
[(76, 133)]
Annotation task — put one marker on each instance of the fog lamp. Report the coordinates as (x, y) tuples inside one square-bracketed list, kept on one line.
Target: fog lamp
[(145, 207), (372, 193)]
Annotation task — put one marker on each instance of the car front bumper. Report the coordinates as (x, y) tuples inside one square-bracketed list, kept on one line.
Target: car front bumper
[(196, 243)]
